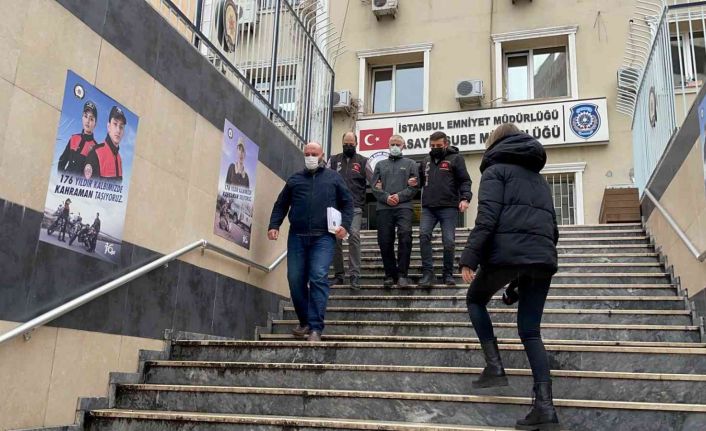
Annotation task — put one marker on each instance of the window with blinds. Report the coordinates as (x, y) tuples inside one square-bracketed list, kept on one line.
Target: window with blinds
[(563, 186)]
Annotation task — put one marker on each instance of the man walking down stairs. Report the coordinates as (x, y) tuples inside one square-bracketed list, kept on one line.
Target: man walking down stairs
[(624, 350)]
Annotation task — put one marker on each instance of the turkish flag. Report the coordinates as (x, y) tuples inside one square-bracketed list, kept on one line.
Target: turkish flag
[(375, 139)]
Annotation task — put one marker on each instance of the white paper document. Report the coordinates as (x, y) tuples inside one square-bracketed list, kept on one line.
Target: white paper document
[(334, 219)]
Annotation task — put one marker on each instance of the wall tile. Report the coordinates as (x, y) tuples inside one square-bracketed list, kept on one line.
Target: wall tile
[(93, 17), (15, 18), (195, 299)]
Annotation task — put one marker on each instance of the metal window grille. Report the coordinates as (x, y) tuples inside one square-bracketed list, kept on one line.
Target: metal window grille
[(563, 187)]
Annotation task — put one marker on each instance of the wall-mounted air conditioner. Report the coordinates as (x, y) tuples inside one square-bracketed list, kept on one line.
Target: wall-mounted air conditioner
[(469, 90), (628, 78), (249, 13), (341, 100), (384, 7)]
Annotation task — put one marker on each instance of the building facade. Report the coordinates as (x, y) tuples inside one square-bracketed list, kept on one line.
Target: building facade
[(463, 66)]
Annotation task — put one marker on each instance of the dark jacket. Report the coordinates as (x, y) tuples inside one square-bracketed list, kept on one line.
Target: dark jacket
[(445, 182), (393, 174), (353, 171), (516, 223), (106, 161), (73, 159), (306, 196)]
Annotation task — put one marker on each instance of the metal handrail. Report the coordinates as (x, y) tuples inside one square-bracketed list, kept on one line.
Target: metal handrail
[(699, 255), (26, 328)]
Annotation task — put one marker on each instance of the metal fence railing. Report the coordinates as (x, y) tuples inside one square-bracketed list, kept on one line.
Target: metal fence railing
[(663, 69), (276, 52)]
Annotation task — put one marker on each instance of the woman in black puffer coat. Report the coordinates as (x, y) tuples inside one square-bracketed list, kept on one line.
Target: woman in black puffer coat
[(514, 238)]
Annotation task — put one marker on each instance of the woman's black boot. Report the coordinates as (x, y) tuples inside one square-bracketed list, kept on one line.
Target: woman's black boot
[(493, 374), (543, 416)]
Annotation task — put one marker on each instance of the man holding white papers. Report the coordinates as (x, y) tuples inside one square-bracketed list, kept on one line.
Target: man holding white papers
[(310, 247)]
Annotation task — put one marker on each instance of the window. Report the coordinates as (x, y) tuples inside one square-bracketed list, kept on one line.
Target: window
[(398, 88), (536, 74), (285, 97), (688, 59), (564, 195), (535, 64)]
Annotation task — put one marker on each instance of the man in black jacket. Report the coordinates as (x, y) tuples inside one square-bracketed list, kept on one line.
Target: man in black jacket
[(352, 167), (392, 187), (310, 247), (514, 238), (446, 190)]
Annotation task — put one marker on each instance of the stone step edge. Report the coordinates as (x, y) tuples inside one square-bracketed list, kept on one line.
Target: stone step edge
[(553, 286), (423, 369), (437, 346), (561, 265), (459, 247), (311, 422), (501, 310), (499, 325), (409, 396), (568, 255), (466, 340), (565, 274), (549, 298)]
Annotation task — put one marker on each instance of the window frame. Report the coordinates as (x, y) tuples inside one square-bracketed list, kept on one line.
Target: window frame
[(365, 75), (571, 168), (499, 64), (687, 63), (529, 53), (393, 91)]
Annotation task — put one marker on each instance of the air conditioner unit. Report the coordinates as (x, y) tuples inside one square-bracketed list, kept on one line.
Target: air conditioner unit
[(248, 15), (384, 7), (627, 78), (341, 100), (469, 90)]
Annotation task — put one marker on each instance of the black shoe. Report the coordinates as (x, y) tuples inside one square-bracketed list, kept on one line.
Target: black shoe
[(543, 416), (301, 331), (403, 282), (337, 280), (449, 280), (388, 282), (493, 374), (355, 283), (315, 336), (427, 279)]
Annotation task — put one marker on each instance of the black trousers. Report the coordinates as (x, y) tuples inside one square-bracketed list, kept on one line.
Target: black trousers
[(533, 286), (389, 220)]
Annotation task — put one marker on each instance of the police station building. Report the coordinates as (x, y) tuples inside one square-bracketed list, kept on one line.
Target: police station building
[(463, 67)]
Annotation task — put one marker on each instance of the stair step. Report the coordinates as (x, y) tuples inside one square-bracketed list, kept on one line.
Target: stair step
[(578, 267), (596, 358), (445, 301), (385, 406), (560, 277), (183, 421), (551, 315), (561, 249), (466, 340), (566, 258), (587, 240), (572, 331), (558, 289), (683, 388), (462, 235)]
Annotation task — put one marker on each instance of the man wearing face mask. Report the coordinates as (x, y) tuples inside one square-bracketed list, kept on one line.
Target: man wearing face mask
[(352, 167), (393, 192), (446, 190), (310, 247)]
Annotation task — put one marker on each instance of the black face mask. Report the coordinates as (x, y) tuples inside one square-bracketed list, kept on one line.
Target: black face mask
[(349, 150), (437, 153)]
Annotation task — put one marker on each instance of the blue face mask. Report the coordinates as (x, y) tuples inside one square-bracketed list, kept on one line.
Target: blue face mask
[(395, 151)]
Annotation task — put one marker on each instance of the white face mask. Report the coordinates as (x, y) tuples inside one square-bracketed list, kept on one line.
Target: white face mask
[(311, 162), (395, 151)]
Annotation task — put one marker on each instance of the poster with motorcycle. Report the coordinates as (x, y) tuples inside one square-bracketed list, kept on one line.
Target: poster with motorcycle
[(90, 174), (236, 187)]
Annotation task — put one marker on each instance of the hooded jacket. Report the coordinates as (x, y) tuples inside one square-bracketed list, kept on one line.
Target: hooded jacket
[(516, 222), (445, 182)]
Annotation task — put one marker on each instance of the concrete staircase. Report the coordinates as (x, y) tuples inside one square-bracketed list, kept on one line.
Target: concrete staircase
[(625, 351)]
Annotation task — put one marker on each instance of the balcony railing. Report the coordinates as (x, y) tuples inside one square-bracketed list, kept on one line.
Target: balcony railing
[(663, 69), (278, 56)]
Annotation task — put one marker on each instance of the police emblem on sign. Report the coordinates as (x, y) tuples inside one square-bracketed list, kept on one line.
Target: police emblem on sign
[(585, 120)]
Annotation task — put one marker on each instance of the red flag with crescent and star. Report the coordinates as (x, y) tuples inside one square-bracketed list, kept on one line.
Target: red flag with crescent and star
[(375, 139)]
